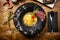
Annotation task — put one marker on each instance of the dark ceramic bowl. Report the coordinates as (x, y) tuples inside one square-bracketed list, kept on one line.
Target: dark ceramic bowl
[(19, 24)]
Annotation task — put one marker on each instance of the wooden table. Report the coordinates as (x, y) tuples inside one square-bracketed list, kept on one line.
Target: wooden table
[(16, 35)]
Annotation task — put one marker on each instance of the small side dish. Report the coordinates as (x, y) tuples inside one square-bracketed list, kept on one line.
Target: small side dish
[(48, 1)]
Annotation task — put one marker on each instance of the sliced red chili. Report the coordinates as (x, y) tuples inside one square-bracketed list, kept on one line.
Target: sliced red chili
[(7, 1), (33, 17), (10, 7)]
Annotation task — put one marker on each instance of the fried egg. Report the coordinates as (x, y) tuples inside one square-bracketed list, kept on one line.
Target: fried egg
[(29, 19)]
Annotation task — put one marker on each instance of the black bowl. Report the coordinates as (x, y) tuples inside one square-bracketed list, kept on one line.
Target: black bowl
[(28, 31)]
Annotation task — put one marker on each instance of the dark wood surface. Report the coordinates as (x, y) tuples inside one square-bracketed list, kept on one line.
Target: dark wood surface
[(16, 35)]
